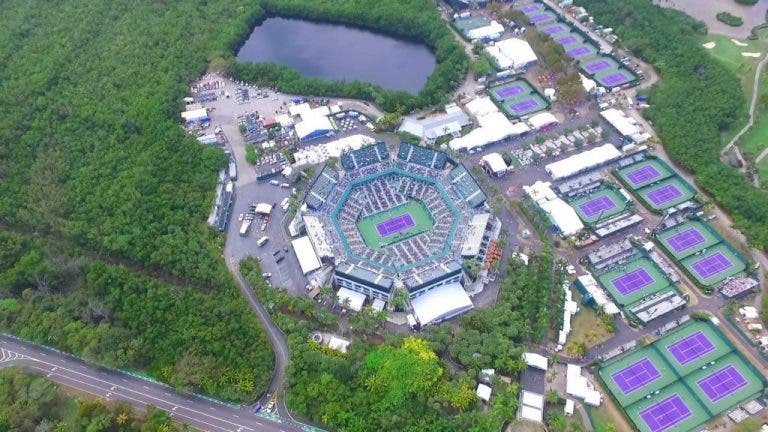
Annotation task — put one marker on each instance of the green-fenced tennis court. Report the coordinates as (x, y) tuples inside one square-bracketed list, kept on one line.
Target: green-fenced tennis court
[(698, 414), (666, 193), (601, 204), (643, 173), (752, 384), (614, 281), (688, 238), (714, 265), (369, 227), (715, 346), (611, 375)]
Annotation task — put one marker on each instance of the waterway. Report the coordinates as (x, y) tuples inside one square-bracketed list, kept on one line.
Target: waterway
[(337, 52)]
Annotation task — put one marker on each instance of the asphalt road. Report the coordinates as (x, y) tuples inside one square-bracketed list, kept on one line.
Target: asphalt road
[(109, 384)]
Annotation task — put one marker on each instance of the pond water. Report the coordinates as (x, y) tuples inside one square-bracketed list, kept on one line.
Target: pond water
[(337, 52)]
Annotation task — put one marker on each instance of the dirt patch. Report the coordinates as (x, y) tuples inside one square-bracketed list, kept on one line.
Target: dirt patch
[(525, 426)]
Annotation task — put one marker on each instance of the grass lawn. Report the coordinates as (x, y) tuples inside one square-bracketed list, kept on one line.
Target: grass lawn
[(762, 172), (756, 139), (587, 327)]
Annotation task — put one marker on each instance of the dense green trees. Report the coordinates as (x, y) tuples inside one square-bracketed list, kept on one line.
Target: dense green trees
[(695, 101), (410, 19), (193, 340), (32, 403)]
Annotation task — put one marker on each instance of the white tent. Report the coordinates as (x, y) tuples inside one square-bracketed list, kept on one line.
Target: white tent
[(494, 127), (535, 360), (495, 163), (308, 260), (481, 106), (441, 303), (355, 299), (263, 208), (627, 126), (579, 386), (588, 84), (601, 299), (562, 215), (492, 31), (299, 109), (569, 407), (583, 161), (320, 153), (531, 406), (195, 115), (512, 52), (313, 126), (541, 120)]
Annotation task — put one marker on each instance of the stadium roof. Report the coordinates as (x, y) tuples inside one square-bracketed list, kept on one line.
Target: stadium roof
[(512, 52), (308, 260), (537, 361), (382, 282), (542, 119), (316, 234), (475, 231), (621, 122), (441, 303), (495, 162), (355, 298), (583, 161), (562, 215), (312, 125)]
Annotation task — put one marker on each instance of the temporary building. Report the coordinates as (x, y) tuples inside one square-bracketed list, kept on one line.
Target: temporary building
[(569, 407), (512, 53), (495, 164), (583, 161), (308, 260), (263, 208), (441, 303), (494, 127), (588, 284), (541, 120), (352, 299), (316, 154), (580, 387), (536, 361), (588, 84), (314, 126), (195, 115), (562, 215), (299, 109), (493, 30), (481, 106), (625, 125), (531, 406)]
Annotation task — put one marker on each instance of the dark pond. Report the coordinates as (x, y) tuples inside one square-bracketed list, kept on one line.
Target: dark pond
[(336, 52)]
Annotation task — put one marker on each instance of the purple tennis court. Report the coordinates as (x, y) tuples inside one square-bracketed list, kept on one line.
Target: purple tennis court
[(630, 282), (532, 8), (596, 206), (579, 51), (686, 239), (525, 105), (537, 19), (636, 375), (510, 91), (722, 383), (666, 413), (690, 348), (615, 79), (664, 194), (643, 174), (555, 29), (712, 265), (597, 66), (567, 40), (395, 225)]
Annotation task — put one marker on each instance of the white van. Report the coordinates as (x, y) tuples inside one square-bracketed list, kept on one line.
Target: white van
[(284, 203), (262, 241), (274, 182), (285, 185)]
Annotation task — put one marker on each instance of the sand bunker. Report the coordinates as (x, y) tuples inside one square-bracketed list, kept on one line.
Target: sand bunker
[(709, 45), (739, 43), (750, 54)]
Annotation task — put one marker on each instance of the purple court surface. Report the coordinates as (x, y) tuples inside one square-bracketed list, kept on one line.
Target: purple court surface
[(524, 105), (615, 79), (540, 18), (510, 91), (579, 51), (596, 206), (395, 225), (636, 375), (690, 348), (531, 8), (597, 66), (722, 383), (712, 265), (665, 193), (632, 281), (643, 174), (686, 239), (565, 40), (666, 413), (554, 29)]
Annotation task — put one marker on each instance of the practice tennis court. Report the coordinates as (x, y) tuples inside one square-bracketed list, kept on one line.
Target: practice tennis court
[(569, 39), (688, 238), (725, 383), (645, 172), (613, 78), (555, 29), (603, 203), (713, 265), (517, 98), (396, 224), (692, 347), (633, 281), (580, 51), (667, 193), (636, 374), (542, 18)]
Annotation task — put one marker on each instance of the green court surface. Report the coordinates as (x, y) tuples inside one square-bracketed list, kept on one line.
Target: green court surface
[(418, 211), (687, 192), (668, 376), (662, 168), (699, 414), (620, 204), (710, 236), (660, 282), (738, 264), (753, 387), (720, 344)]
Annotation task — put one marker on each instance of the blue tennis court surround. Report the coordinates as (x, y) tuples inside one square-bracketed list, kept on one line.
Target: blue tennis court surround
[(633, 281), (690, 348), (686, 239), (722, 383), (666, 413), (636, 375), (712, 265), (643, 174), (395, 225), (597, 206)]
